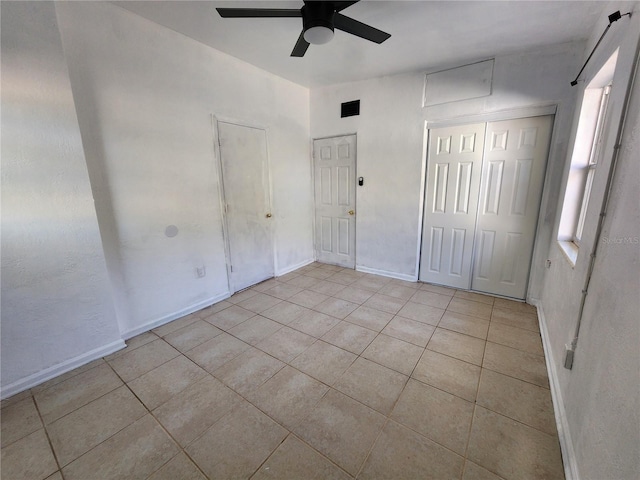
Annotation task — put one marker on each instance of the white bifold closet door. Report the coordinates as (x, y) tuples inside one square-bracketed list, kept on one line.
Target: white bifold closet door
[(493, 252)]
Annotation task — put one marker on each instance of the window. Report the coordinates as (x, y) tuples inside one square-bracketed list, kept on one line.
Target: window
[(587, 151)]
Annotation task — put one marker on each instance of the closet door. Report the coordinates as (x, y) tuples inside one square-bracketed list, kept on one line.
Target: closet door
[(511, 188), (451, 203)]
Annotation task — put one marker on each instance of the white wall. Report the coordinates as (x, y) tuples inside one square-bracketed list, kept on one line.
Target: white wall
[(601, 394), (56, 302), (391, 132), (144, 96)]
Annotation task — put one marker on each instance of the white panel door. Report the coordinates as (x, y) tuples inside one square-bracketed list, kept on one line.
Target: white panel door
[(511, 187), (335, 200), (451, 202), (245, 179)]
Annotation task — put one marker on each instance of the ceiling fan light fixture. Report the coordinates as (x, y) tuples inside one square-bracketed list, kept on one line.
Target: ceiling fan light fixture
[(318, 35)]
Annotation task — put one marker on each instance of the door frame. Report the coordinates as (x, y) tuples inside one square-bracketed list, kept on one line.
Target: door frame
[(497, 116), (215, 120), (313, 191)]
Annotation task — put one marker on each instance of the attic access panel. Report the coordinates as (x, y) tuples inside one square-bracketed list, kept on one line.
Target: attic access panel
[(460, 83)]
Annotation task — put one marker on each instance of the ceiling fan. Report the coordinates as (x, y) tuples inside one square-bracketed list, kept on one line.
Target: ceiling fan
[(319, 19)]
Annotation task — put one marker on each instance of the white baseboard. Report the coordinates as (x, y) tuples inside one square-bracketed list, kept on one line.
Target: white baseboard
[(564, 434), (173, 316), (291, 268), (385, 273), (64, 367)]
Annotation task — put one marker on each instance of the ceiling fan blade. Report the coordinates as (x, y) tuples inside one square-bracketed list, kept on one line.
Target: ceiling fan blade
[(339, 6), (258, 12), (301, 46), (359, 29)]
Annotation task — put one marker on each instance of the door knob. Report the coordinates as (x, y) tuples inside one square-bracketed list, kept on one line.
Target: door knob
[(268, 215), (351, 212)]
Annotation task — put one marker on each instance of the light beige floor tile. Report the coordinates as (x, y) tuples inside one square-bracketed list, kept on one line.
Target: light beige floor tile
[(215, 308), (457, 345), (376, 386), (75, 392), (307, 298), (517, 338), (354, 295), (287, 277), (371, 282), (450, 292), (448, 374), (216, 352), (469, 307), (237, 444), (248, 371), (522, 401), (421, 313), (466, 324), (246, 294), (284, 290), (303, 281), (135, 452), (324, 362), (336, 307), (431, 299), (55, 476), (18, 397), (410, 331), (259, 302), (319, 273), (344, 278), (288, 396), (83, 429), (392, 289), (350, 337), (143, 359), (286, 344), (513, 450), (385, 303), (19, 420), (515, 306), (255, 329), (192, 335), (476, 472), (266, 285), (295, 460), (342, 429), (285, 312), (175, 325), (436, 414), (198, 407), (163, 382), (314, 323), (476, 297), (515, 363), (400, 453), (405, 283), (369, 318), (327, 288), (515, 319), (178, 468), (133, 343), (29, 458), (76, 371), (393, 353), (229, 317)]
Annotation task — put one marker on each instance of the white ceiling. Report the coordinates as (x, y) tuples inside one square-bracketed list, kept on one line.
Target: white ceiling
[(425, 35)]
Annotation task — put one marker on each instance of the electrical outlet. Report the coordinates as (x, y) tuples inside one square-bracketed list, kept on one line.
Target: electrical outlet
[(201, 271)]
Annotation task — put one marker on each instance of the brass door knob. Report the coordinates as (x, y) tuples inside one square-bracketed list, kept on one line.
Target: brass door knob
[(268, 215), (351, 212)]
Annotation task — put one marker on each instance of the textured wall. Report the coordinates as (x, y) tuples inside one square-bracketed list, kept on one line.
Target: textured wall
[(56, 302)]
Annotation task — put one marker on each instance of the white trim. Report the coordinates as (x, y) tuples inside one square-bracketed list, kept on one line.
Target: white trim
[(64, 367), (290, 269), (423, 193), (564, 434), (173, 316), (499, 115), (385, 273)]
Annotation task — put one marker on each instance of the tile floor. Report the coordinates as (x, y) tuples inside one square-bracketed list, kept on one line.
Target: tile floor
[(321, 373)]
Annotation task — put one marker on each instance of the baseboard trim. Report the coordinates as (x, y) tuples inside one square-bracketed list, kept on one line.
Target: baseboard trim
[(173, 316), (385, 273), (290, 269), (564, 434), (64, 367)]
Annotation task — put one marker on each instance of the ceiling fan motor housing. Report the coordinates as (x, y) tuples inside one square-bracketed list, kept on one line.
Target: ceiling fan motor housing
[(314, 15)]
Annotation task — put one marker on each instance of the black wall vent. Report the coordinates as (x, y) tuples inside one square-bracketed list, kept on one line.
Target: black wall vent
[(349, 109)]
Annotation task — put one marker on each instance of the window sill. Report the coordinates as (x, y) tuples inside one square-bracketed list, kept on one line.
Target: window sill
[(570, 251)]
